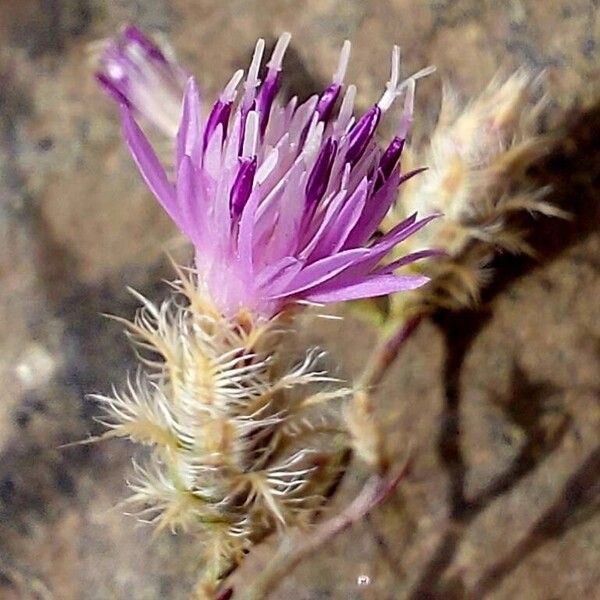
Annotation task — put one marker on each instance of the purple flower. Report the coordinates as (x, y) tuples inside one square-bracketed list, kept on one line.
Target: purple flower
[(136, 73), (282, 202)]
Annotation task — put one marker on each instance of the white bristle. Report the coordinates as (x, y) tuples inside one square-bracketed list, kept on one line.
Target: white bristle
[(340, 73)]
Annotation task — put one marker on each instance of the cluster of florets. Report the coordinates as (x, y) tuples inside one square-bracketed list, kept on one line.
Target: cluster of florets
[(280, 200)]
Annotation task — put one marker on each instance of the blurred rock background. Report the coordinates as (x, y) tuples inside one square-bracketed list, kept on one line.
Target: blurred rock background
[(500, 404)]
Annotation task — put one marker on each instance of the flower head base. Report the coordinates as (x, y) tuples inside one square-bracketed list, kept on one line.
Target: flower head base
[(281, 201), (239, 446), (130, 66)]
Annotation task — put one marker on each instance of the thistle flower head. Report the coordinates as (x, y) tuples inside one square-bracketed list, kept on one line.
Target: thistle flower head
[(477, 156), (130, 66), (240, 443), (281, 200)]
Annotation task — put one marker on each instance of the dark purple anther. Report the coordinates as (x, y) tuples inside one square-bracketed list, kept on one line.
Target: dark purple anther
[(319, 176), (327, 101), (265, 98), (219, 115), (391, 156), (133, 35), (362, 133), (388, 161), (108, 86), (242, 186)]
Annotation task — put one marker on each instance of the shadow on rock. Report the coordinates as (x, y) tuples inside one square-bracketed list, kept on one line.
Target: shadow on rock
[(572, 169)]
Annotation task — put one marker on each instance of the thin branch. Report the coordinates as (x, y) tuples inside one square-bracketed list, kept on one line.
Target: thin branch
[(27, 583), (387, 351), (295, 548)]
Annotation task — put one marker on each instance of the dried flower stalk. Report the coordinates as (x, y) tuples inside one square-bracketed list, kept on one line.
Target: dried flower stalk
[(477, 158)]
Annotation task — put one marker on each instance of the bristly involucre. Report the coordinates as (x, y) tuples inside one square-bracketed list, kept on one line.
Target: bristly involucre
[(477, 156), (240, 445), (282, 201)]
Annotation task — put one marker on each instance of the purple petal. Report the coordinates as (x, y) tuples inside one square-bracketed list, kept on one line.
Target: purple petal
[(327, 101), (188, 135), (283, 239), (242, 186), (363, 267), (399, 233), (108, 85), (339, 225), (276, 276), (314, 231), (188, 199), (407, 259), (152, 171), (134, 35), (377, 252), (319, 176), (323, 270), (377, 285), (377, 207), (389, 160), (245, 242), (221, 231), (362, 133), (267, 215)]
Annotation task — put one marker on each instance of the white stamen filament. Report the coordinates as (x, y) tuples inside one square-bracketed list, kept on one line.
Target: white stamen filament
[(252, 80), (136, 54), (313, 138), (250, 135), (346, 108), (424, 72), (229, 91), (407, 114), (279, 52), (267, 166), (338, 76), (391, 88), (410, 84)]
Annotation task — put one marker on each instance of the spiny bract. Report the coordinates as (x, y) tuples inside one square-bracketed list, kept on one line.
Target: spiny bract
[(477, 157), (239, 447)]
